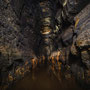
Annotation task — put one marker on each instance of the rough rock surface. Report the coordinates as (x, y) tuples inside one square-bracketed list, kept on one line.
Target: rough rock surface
[(19, 42), (17, 39), (81, 44)]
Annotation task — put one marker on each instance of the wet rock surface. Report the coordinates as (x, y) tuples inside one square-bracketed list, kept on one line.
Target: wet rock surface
[(20, 38)]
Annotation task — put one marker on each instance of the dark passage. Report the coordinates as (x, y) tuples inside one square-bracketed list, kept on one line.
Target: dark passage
[(42, 80), (34, 33)]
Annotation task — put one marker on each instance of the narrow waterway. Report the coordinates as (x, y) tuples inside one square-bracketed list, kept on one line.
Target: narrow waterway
[(41, 79)]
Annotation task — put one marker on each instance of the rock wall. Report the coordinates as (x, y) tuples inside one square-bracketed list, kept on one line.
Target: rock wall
[(16, 42), (19, 41)]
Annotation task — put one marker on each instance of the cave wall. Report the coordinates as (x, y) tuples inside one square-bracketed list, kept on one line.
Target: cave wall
[(18, 39)]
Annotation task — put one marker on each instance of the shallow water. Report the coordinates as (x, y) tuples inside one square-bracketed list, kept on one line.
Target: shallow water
[(40, 79)]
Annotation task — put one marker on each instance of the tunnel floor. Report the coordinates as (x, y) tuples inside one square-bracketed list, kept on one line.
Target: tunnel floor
[(41, 79)]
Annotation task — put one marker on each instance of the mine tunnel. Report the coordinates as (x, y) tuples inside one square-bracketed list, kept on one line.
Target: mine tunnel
[(45, 44)]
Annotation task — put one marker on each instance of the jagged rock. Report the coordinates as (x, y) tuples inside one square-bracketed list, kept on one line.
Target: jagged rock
[(16, 42), (67, 36), (81, 41), (9, 33), (19, 35), (86, 58), (81, 44), (72, 8)]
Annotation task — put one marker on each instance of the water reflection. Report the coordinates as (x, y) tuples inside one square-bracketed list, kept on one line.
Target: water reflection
[(41, 79)]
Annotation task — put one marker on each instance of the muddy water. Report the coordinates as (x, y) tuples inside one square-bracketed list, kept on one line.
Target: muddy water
[(41, 79)]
